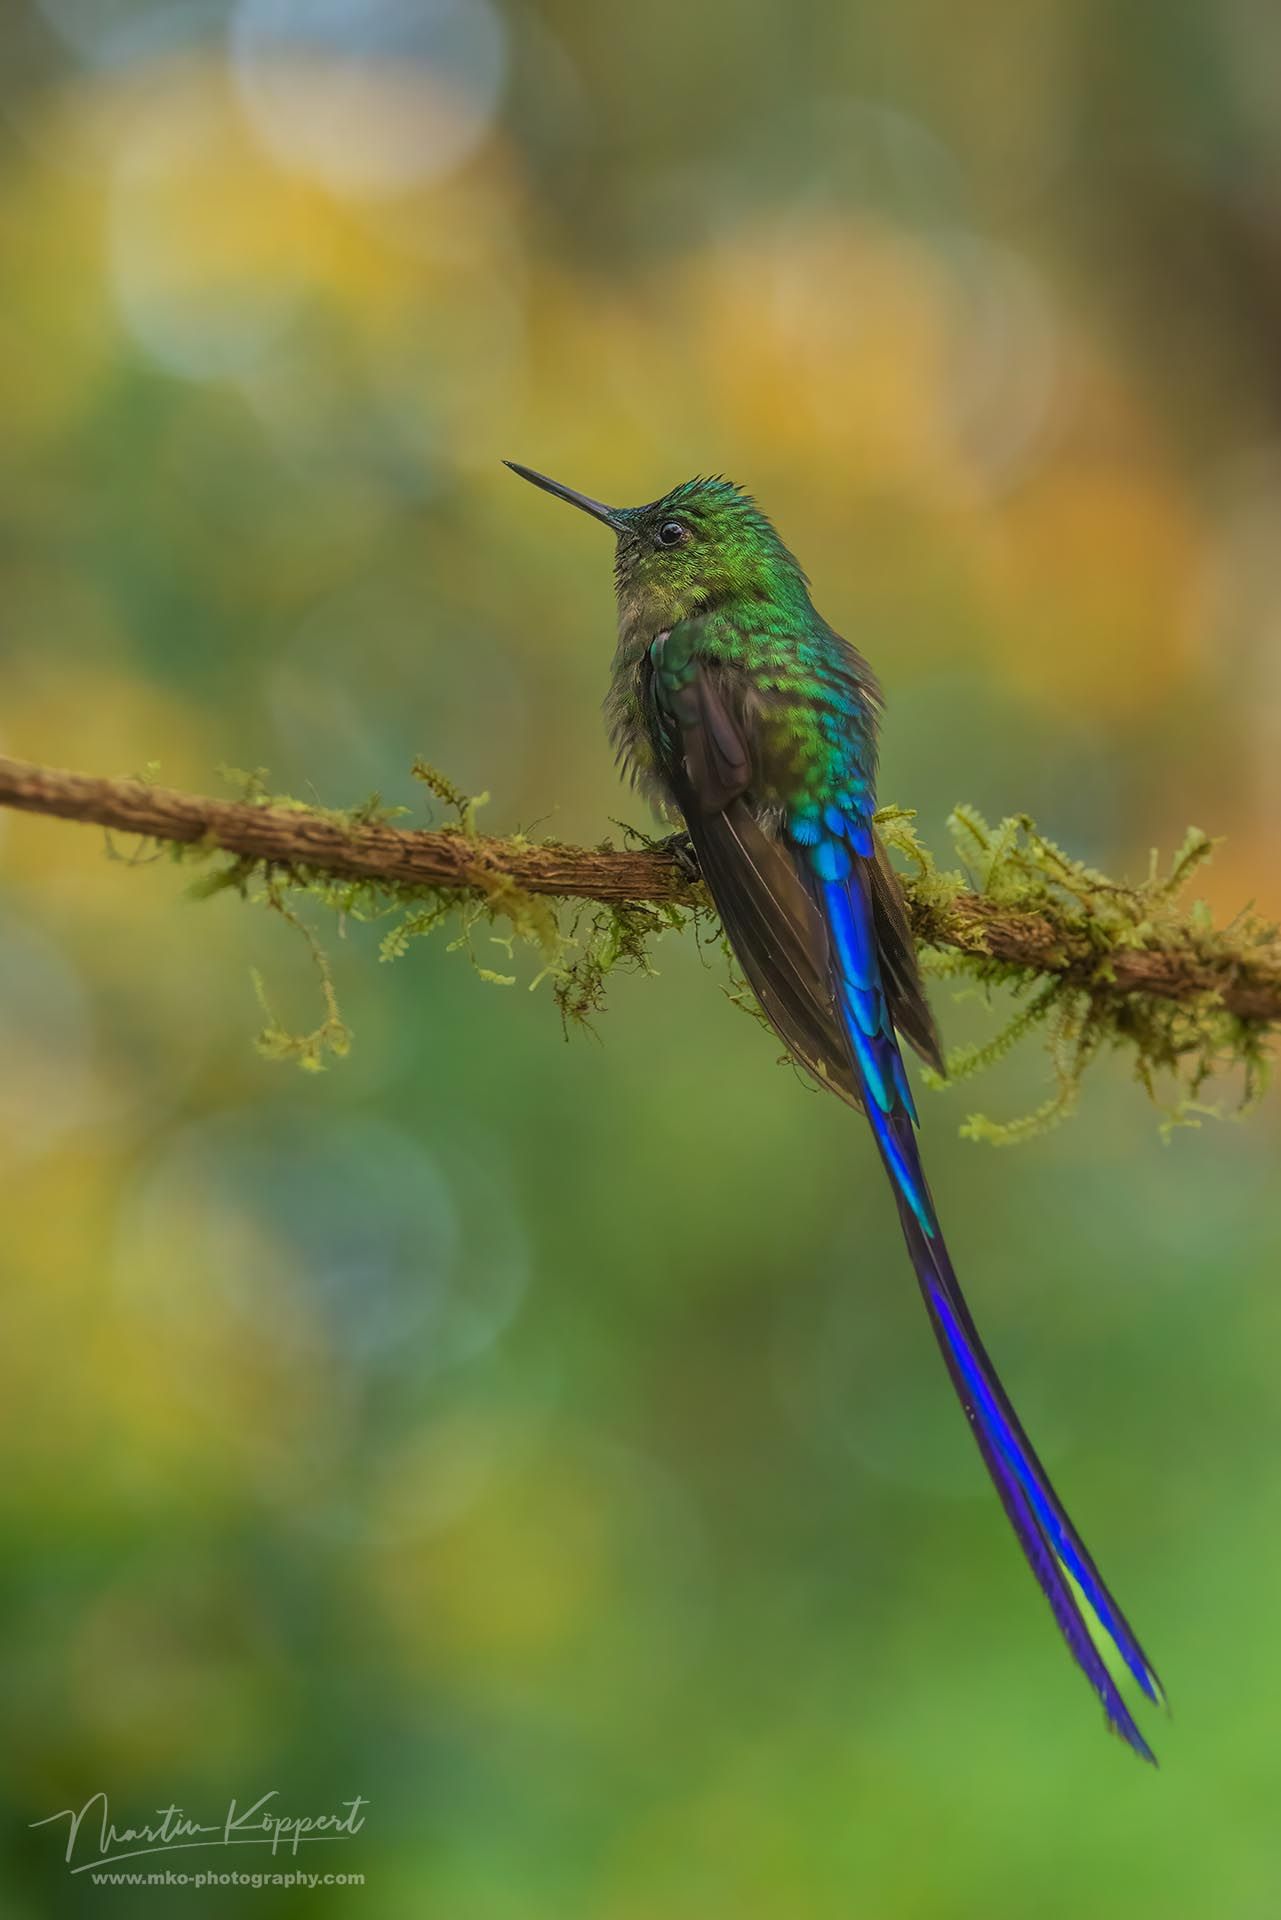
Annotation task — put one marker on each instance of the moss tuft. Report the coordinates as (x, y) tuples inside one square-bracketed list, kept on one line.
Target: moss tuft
[(1175, 1046)]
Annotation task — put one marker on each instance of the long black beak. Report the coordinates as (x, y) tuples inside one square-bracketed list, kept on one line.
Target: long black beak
[(610, 515)]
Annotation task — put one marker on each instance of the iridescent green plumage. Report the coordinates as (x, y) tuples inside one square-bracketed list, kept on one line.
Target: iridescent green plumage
[(747, 718), (818, 698)]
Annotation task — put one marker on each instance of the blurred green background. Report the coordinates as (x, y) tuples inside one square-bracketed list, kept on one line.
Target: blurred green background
[(544, 1441)]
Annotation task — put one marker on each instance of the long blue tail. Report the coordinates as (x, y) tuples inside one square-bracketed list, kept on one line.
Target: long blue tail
[(1055, 1551)]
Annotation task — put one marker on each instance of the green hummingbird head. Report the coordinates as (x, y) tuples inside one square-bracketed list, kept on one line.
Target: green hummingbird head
[(701, 546)]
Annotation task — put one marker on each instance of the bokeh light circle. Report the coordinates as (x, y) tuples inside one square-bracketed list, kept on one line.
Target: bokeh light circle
[(206, 251), (321, 1236), (371, 97), (46, 1042), (118, 33)]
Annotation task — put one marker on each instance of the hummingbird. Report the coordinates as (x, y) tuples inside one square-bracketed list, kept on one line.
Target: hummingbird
[(744, 717)]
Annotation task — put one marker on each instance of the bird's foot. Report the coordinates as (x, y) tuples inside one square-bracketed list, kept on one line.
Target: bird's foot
[(681, 849)]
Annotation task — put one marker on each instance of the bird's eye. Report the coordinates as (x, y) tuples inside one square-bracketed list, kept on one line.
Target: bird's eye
[(671, 533)]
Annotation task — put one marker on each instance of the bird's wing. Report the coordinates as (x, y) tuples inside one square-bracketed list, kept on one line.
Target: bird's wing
[(766, 907)]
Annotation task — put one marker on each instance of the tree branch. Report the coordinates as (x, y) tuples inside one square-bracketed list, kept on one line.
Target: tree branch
[(1245, 983)]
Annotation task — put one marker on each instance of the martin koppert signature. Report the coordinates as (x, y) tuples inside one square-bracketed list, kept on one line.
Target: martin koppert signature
[(259, 1825)]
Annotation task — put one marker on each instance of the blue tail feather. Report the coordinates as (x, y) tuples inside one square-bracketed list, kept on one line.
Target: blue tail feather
[(1053, 1548), (1012, 1446), (1053, 1584)]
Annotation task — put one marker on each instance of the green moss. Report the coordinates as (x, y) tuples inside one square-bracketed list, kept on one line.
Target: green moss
[(1072, 1004), (1174, 1046)]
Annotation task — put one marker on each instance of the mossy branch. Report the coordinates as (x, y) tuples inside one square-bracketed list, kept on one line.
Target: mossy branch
[(1092, 960), (310, 839)]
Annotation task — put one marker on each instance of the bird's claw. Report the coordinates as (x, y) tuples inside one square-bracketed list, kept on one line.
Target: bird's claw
[(681, 849)]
